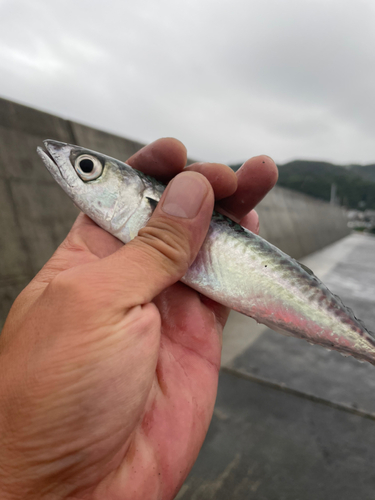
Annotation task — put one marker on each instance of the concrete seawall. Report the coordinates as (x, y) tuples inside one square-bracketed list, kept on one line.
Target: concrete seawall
[(35, 214)]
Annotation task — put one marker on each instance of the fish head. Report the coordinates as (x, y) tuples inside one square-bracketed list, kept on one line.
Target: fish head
[(105, 189)]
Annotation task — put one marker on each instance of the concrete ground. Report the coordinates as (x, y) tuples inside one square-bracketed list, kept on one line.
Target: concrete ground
[(294, 421)]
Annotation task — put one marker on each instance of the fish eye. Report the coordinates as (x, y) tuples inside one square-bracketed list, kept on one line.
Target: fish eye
[(88, 167)]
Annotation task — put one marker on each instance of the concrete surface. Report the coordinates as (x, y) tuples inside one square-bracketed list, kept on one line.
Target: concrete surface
[(34, 213), (294, 421), (265, 444), (298, 224)]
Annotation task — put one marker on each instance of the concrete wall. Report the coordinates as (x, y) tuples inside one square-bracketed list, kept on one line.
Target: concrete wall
[(35, 214), (299, 224)]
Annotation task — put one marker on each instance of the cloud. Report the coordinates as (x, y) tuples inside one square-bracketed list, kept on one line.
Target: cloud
[(229, 78)]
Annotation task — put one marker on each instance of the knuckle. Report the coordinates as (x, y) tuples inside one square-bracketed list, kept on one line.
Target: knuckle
[(170, 240), (67, 287), (80, 297)]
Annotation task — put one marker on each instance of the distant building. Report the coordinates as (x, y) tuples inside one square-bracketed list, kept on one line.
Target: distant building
[(361, 220)]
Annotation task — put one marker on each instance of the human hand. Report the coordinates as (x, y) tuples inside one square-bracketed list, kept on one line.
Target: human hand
[(108, 366)]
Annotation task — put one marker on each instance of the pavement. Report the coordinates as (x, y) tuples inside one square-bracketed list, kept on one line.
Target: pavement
[(294, 421)]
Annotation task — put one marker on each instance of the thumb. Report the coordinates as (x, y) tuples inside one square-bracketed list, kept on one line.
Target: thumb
[(163, 250)]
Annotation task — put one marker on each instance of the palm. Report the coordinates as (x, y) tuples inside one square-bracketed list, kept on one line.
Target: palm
[(181, 401), (179, 406)]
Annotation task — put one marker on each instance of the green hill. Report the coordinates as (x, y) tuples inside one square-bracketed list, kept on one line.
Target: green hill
[(355, 184), (367, 172)]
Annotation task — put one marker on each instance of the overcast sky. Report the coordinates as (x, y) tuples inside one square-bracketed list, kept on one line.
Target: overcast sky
[(230, 78)]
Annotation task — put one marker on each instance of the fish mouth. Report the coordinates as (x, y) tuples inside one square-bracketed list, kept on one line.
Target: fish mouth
[(51, 165), (56, 158)]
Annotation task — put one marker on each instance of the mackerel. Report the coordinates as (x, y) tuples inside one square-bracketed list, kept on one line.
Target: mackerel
[(234, 266)]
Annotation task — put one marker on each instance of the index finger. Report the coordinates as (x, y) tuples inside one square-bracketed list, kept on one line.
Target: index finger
[(162, 159)]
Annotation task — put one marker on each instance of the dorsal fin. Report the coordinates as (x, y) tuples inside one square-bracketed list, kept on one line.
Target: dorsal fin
[(307, 269)]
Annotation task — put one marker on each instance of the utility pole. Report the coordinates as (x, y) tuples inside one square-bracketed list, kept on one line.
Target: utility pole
[(333, 194)]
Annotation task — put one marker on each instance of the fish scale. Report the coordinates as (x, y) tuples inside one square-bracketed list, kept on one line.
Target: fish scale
[(234, 266)]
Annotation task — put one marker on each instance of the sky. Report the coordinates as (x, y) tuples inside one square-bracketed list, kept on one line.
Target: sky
[(229, 78)]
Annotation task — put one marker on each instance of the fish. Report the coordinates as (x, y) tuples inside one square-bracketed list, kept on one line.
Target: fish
[(234, 266)]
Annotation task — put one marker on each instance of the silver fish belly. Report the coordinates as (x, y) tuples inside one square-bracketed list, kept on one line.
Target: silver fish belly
[(234, 266)]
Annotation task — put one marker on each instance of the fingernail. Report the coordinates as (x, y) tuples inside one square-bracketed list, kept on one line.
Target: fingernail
[(185, 195), (273, 161)]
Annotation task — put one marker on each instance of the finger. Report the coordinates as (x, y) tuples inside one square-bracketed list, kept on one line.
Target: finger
[(256, 178), (162, 159), (222, 178), (251, 222), (163, 250)]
